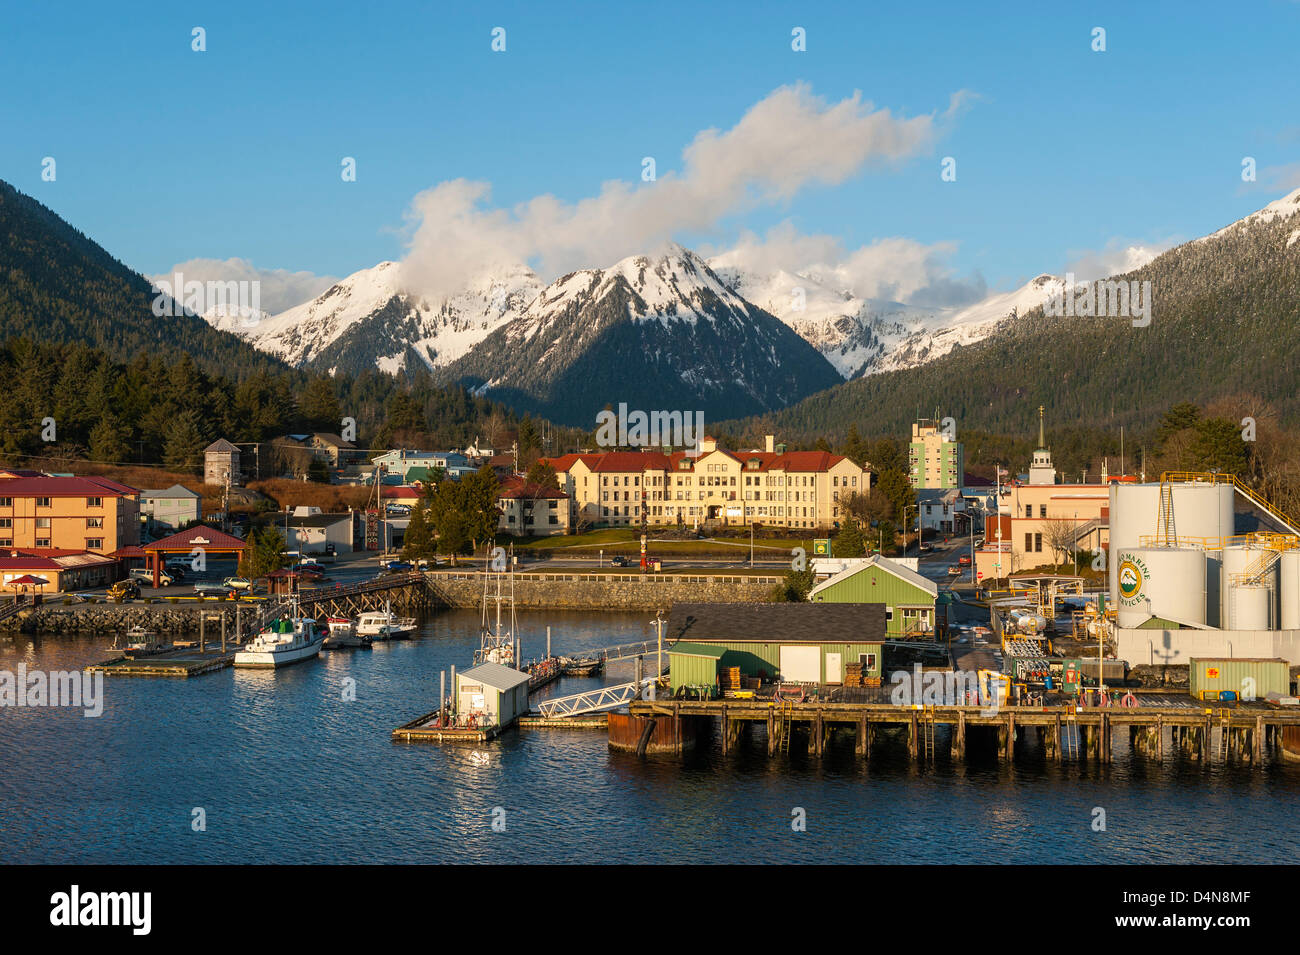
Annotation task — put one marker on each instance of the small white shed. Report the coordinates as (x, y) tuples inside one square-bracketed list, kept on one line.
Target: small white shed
[(496, 694)]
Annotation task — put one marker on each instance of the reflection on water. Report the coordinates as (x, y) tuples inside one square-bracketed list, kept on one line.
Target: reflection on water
[(288, 769)]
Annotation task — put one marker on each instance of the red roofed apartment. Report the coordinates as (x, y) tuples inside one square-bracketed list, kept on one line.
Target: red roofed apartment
[(70, 514), (775, 487)]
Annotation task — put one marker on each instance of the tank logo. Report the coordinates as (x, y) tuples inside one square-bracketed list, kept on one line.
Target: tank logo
[(1132, 574)]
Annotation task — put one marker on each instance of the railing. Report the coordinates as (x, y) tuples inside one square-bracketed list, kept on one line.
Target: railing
[(606, 698), (1201, 477), (389, 582)]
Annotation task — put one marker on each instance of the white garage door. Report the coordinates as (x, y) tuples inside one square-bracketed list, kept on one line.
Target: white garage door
[(801, 664)]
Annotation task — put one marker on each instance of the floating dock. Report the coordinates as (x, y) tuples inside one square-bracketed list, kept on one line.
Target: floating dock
[(172, 663), (429, 728)]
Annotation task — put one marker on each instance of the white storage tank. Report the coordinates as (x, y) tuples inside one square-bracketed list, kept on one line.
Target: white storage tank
[(1289, 590), (1202, 512), (1243, 559), (1164, 582), (1249, 607)]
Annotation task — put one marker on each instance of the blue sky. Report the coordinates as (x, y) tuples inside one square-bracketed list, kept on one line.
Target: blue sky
[(165, 155)]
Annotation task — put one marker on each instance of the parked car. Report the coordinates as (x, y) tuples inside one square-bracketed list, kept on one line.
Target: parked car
[(954, 571), (145, 574), (238, 583), (125, 590), (964, 560), (399, 567), (177, 568), (211, 590), (618, 561)]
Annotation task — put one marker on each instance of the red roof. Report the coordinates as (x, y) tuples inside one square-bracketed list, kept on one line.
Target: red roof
[(90, 486), (200, 536), (130, 550), (566, 461), (28, 563), (632, 461), (403, 491), (516, 487)]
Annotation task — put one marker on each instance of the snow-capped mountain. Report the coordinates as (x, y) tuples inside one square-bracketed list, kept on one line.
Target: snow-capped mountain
[(865, 336), (368, 320), (660, 332)]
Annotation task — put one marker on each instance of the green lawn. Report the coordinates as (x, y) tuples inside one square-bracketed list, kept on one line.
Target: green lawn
[(625, 540)]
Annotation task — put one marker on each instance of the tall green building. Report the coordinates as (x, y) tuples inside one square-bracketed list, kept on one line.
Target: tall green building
[(935, 459)]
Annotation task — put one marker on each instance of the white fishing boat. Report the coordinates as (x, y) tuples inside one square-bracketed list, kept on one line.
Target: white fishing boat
[(290, 639), (497, 646), (385, 625), (343, 633)]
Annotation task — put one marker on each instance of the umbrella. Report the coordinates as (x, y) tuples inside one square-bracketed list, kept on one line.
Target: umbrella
[(27, 580)]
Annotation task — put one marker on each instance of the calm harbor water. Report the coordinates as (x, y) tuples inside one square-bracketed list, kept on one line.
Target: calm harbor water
[(289, 771)]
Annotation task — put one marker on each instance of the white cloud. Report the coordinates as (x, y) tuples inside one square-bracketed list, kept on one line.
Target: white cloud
[(280, 288), (788, 141), (893, 269), (1115, 258)]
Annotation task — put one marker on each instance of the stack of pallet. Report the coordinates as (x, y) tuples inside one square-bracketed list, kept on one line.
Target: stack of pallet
[(751, 683), (729, 678), (853, 674)]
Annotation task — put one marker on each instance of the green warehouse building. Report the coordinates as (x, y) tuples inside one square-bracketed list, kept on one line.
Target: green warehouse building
[(908, 597), (792, 642)]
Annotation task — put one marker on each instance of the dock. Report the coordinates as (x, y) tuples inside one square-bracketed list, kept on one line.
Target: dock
[(429, 728), (1242, 734), (173, 663)]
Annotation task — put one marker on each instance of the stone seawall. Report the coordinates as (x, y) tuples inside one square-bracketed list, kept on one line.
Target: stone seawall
[(447, 590), (110, 618), (605, 591)]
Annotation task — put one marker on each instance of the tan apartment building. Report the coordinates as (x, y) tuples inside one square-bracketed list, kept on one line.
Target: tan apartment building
[(68, 514), (798, 489)]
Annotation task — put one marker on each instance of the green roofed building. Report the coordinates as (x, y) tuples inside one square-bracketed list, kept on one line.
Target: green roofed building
[(793, 642), (908, 598)]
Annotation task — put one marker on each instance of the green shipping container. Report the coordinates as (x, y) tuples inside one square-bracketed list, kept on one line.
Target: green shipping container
[(1250, 679), (693, 664)]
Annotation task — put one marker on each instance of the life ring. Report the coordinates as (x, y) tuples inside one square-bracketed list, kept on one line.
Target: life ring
[(1129, 700)]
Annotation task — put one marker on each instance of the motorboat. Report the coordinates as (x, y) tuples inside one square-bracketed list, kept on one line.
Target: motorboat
[(290, 639), (385, 625), (343, 633)]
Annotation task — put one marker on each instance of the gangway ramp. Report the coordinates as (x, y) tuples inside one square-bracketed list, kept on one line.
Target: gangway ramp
[(593, 701)]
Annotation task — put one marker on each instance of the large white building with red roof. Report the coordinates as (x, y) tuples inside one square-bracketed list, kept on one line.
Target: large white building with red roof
[(774, 487)]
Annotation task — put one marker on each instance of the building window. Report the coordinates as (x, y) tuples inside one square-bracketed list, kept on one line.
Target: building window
[(42, 542), (94, 502), (95, 523), (43, 523), (6, 502), (94, 543), (1042, 510), (1038, 543), (42, 502), (1029, 542)]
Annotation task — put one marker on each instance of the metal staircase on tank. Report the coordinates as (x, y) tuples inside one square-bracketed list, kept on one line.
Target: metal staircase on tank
[(1166, 532)]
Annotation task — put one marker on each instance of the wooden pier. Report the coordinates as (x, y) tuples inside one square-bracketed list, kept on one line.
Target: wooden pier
[(1244, 734)]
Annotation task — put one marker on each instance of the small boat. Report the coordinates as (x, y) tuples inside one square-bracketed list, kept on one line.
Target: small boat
[(142, 643), (385, 625), (584, 666), (343, 633), (288, 640)]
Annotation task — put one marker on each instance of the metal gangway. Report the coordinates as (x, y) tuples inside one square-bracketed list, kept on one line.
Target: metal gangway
[(593, 701)]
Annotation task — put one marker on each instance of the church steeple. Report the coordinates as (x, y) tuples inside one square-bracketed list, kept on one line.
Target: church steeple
[(1040, 468)]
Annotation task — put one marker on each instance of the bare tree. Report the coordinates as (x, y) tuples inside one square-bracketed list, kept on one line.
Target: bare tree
[(1059, 534)]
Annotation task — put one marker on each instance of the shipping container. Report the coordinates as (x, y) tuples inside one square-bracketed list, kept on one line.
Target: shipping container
[(1249, 678)]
